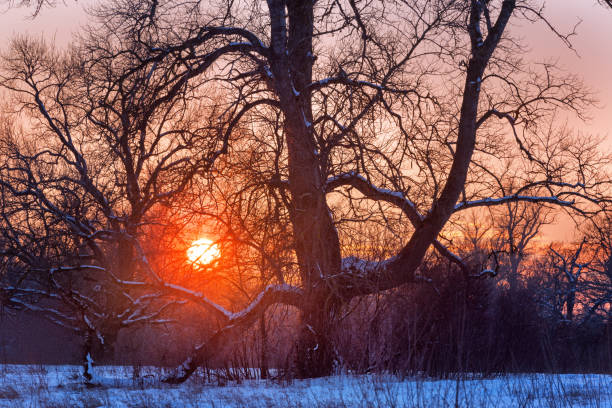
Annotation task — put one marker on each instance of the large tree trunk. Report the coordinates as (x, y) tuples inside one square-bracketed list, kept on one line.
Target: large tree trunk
[(315, 346), (316, 240), (315, 237)]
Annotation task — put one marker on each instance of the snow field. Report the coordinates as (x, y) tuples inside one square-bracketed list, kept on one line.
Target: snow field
[(61, 386)]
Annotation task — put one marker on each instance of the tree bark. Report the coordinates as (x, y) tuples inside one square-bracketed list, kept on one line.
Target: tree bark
[(315, 351), (316, 240)]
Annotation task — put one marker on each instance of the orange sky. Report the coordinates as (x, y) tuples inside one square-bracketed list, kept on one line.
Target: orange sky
[(592, 59)]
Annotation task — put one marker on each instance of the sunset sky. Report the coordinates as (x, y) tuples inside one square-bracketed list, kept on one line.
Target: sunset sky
[(395, 195), (592, 58)]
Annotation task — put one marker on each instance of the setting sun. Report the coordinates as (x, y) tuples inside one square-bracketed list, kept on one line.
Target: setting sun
[(203, 251)]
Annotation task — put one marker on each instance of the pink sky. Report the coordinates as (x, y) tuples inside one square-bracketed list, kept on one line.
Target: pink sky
[(593, 44), (60, 21), (592, 59)]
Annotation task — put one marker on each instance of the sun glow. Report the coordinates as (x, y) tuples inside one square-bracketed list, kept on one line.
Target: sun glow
[(203, 251)]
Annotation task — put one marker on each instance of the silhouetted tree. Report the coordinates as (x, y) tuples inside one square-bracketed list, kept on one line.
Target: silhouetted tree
[(102, 150), (398, 114), (352, 124)]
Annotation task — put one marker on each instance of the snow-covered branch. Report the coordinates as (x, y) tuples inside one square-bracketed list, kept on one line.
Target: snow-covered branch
[(395, 198), (372, 192), (271, 294), (484, 202)]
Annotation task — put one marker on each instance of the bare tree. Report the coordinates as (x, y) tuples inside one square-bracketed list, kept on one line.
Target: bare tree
[(359, 118), (515, 224), (598, 280), (397, 114), (574, 281), (101, 152), (569, 269)]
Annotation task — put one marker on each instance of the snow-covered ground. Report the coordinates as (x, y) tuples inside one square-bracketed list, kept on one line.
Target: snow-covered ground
[(60, 386)]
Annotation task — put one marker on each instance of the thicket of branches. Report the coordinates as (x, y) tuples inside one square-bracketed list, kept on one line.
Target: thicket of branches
[(331, 148)]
